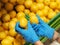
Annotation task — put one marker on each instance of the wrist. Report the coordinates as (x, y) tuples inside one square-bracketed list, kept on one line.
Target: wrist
[(38, 43), (55, 35)]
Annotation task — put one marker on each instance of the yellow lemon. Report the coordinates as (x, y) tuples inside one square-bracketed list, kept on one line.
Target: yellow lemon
[(50, 10), (0, 14), (9, 6), (14, 19), (20, 8), (2, 35), (47, 20), (6, 18), (26, 11), (58, 1), (12, 14), (6, 25), (40, 5), (45, 12), (12, 32), (40, 13), (0, 22), (47, 7), (1, 29), (33, 19), (12, 1), (53, 5), (20, 1), (1, 5), (3, 11), (51, 14), (56, 10), (10, 38), (43, 18), (6, 42), (32, 14), (47, 2), (58, 7), (11, 24), (17, 42), (20, 15), (34, 8), (4, 1), (39, 1), (52, 0), (7, 32), (28, 3), (23, 22)]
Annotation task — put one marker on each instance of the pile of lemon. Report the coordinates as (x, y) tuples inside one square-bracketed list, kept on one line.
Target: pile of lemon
[(12, 11)]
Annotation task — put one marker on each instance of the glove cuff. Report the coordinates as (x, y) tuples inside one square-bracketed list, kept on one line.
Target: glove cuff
[(35, 39), (50, 33)]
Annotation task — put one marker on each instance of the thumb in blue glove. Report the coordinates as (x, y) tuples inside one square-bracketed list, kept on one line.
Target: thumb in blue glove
[(28, 34)]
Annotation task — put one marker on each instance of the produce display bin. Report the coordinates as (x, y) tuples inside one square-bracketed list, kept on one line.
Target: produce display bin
[(54, 23)]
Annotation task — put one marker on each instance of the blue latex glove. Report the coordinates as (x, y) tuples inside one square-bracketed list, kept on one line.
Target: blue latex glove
[(43, 29), (28, 34)]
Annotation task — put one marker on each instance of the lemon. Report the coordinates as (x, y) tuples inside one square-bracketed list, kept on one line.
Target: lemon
[(34, 8), (12, 32), (20, 15), (20, 1), (47, 2), (56, 10), (47, 7), (7, 32), (51, 15), (14, 20), (53, 5), (43, 18), (2, 35), (45, 12), (40, 5), (0, 5), (28, 3), (0, 14), (47, 20), (33, 19), (52, 0), (20, 8), (31, 14), (5, 25), (39, 1), (11, 25), (0, 23), (40, 13), (6, 42), (1, 29), (26, 11), (9, 6), (4, 1), (3, 11), (51, 10), (12, 1), (12, 14), (17, 42), (58, 1), (6, 18), (20, 39), (58, 7), (23, 22), (10, 38)]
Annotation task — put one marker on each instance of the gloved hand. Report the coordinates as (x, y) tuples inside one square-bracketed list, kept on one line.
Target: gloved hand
[(43, 29), (28, 34)]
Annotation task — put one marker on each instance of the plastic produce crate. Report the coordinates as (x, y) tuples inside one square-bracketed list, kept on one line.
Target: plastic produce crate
[(54, 23)]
